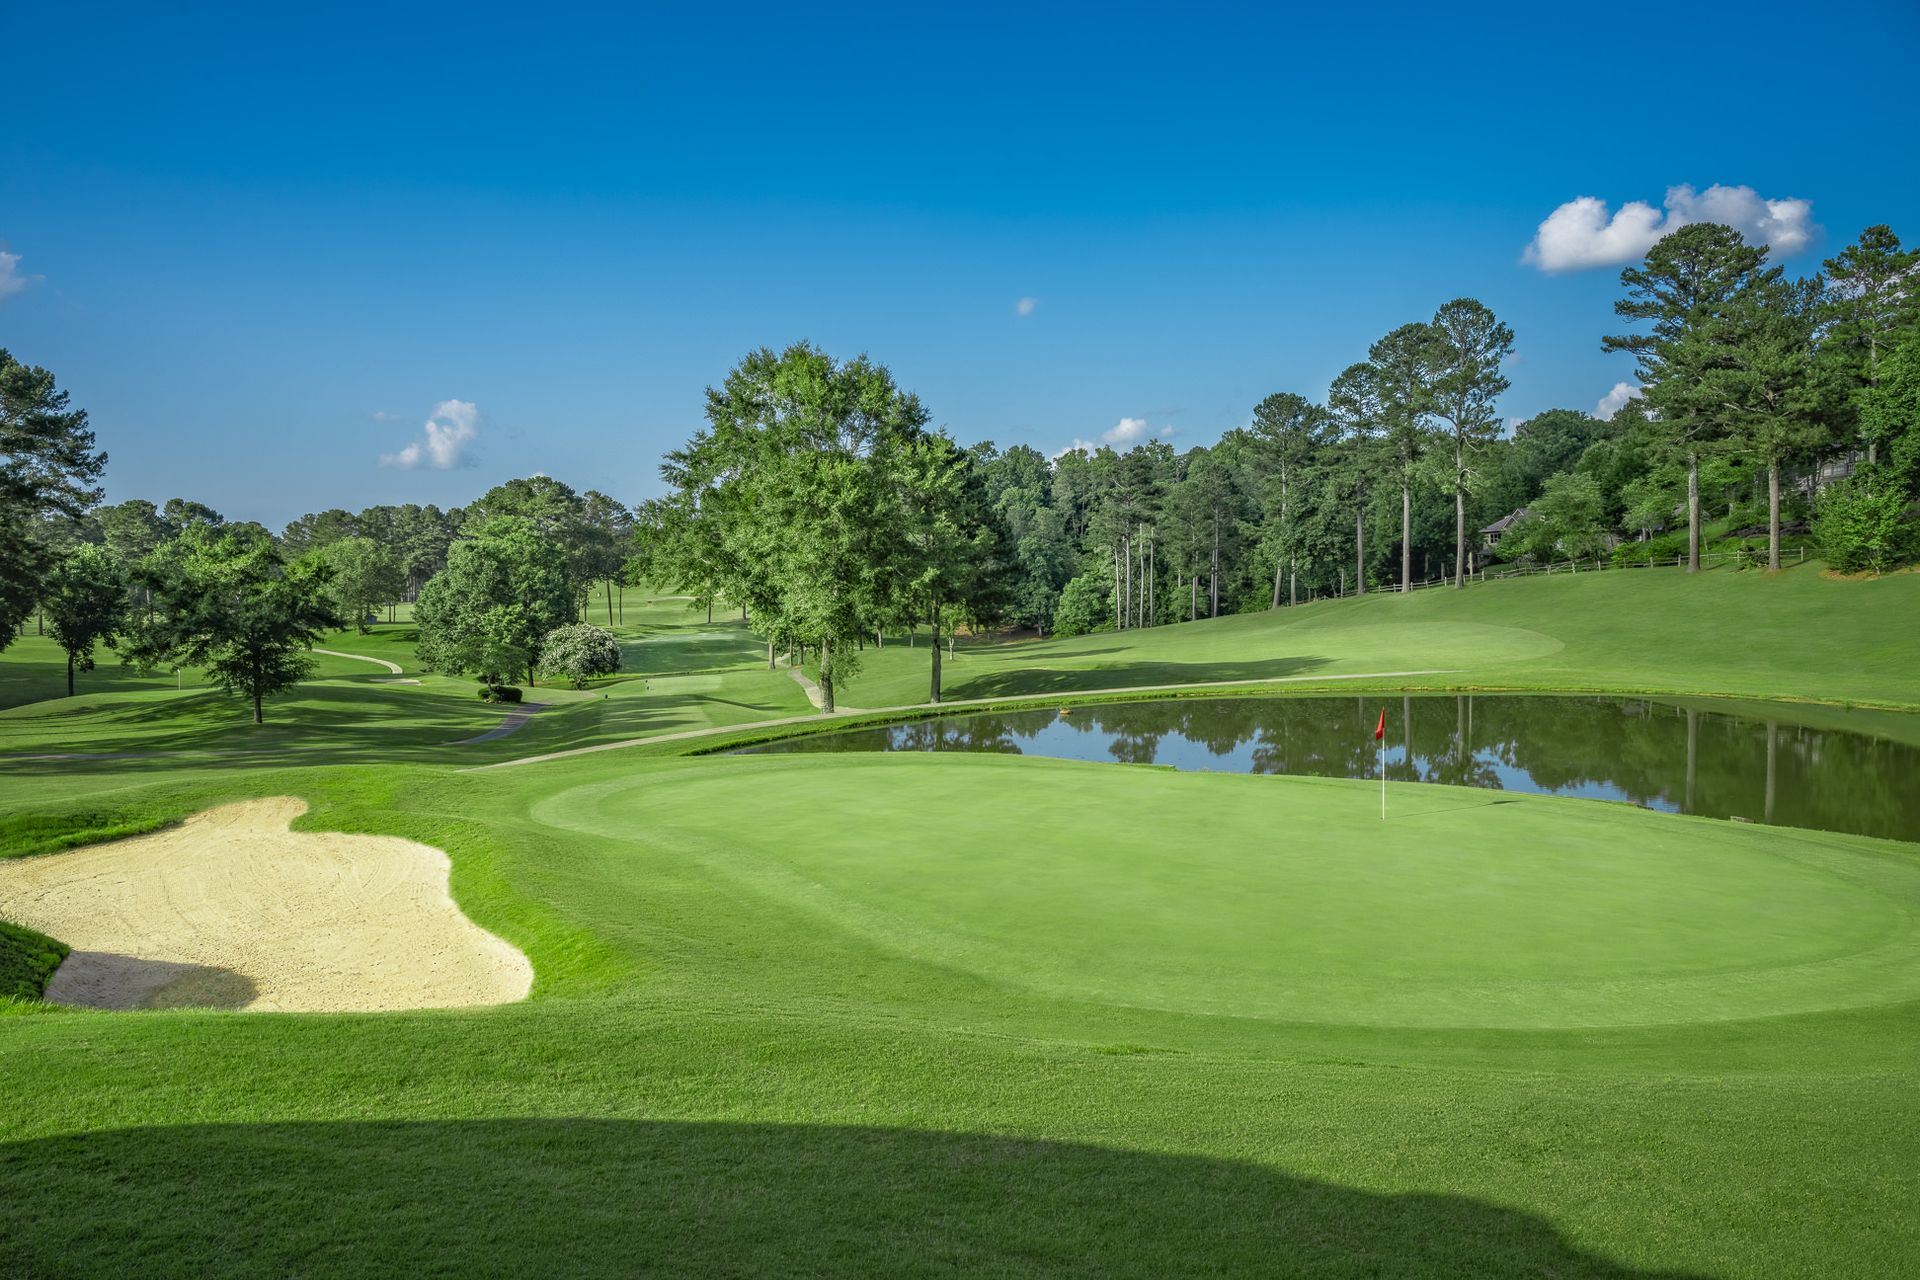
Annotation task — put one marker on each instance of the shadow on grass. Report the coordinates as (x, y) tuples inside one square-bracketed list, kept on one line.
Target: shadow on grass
[(1118, 675), (606, 1197)]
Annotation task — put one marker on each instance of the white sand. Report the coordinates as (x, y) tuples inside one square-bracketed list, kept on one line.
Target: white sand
[(234, 910)]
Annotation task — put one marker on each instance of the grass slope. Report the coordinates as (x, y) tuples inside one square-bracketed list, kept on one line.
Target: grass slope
[(1796, 634), (27, 960), (802, 1019)]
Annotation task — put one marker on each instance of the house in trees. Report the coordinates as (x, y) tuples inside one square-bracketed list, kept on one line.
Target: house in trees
[(1491, 535)]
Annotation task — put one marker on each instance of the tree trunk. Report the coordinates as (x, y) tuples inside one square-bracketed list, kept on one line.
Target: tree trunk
[(1193, 600), (1459, 517), (1126, 559), (769, 653), (826, 674), (934, 618), (1119, 607), (257, 717), (1213, 571), (1406, 536), (609, 601), (709, 610), (1693, 513), (1279, 568), (1149, 582), (1359, 554), (1293, 586), (69, 675), (1773, 517)]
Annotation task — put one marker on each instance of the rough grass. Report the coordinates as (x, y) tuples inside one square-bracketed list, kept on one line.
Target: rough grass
[(27, 960)]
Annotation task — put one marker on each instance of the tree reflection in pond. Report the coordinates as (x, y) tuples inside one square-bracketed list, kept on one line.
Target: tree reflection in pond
[(1757, 764)]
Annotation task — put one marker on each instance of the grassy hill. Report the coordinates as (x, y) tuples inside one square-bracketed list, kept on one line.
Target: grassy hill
[(1797, 634)]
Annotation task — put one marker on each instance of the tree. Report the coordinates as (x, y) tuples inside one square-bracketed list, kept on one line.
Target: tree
[(1082, 608), (1292, 431), (225, 600), (1872, 293), (504, 588), (1569, 516), (609, 536), (951, 549), (788, 499), (1683, 290), (1860, 522), (1890, 412), (49, 470), (365, 577), (579, 651), (1469, 348), (319, 529), (86, 604), (180, 514), (1393, 391), (1766, 381)]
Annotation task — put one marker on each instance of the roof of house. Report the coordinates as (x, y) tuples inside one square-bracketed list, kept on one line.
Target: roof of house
[(1507, 521)]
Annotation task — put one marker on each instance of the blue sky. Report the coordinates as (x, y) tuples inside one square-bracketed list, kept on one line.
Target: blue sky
[(263, 246)]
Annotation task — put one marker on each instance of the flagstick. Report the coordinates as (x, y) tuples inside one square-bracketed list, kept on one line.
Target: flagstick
[(1383, 779)]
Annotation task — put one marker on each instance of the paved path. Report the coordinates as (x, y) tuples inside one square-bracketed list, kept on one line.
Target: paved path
[(509, 724), (393, 667), (712, 730), (815, 696)]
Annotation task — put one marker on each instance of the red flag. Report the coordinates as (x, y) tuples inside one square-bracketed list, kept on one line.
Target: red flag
[(1380, 730)]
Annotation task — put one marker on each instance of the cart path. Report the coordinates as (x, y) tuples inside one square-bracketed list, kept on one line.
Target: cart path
[(815, 696), (392, 667)]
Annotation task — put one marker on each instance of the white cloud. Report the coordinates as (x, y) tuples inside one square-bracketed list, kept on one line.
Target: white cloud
[(1122, 435), (1612, 402), (1026, 306), (11, 281), (1581, 234), (444, 440)]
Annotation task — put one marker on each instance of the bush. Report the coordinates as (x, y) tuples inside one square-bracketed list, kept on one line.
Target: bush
[(1861, 523), (499, 693), (1660, 550), (1082, 608), (579, 651), (27, 961)]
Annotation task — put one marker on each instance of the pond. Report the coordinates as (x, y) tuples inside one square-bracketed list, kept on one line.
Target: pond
[(1820, 768)]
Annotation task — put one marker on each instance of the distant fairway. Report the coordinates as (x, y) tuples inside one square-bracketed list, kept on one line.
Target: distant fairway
[(1645, 630)]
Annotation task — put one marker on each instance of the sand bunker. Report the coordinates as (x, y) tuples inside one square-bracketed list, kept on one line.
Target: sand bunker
[(233, 910)]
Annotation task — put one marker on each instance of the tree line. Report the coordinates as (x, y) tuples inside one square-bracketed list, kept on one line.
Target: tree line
[(818, 500)]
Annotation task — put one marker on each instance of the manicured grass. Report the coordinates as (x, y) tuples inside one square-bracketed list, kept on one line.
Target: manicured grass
[(903, 1015), (1797, 634), (906, 1015)]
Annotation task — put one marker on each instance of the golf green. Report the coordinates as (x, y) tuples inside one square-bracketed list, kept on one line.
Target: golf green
[(1289, 898)]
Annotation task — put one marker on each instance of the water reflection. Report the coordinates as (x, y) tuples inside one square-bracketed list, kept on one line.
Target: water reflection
[(1667, 755)]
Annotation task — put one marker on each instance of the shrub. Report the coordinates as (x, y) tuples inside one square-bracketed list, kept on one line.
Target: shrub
[(1082, 608), (499, 693), (27, 961), (1861, 523), (579, 651)]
